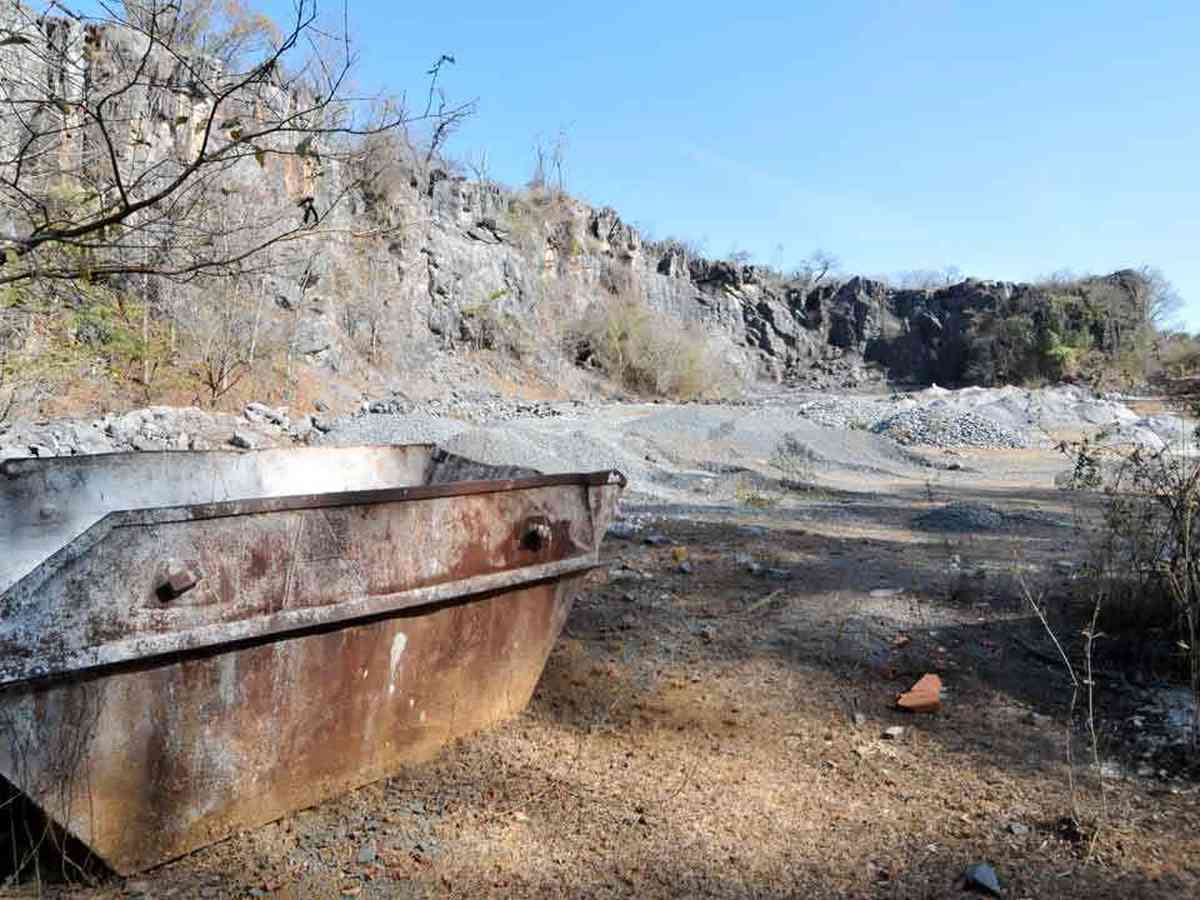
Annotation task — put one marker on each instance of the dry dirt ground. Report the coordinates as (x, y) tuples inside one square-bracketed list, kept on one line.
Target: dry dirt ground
[(720, 731)]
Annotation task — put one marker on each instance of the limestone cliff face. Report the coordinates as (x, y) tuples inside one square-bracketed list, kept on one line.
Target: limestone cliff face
[(416, 260)]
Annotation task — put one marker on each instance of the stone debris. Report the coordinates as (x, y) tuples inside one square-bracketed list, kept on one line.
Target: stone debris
[(366, 854), (982, 878), (961, 517), (935, 428), (243, 440), (477, 407), (622, 530), (924, 697)]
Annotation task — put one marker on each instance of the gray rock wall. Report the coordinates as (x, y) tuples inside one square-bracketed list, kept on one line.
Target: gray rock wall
[(420, 261)]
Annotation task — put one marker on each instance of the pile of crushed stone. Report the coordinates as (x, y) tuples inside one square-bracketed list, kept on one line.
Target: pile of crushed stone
[(933, 427), (477, 407), (964, 517), (847, 412)]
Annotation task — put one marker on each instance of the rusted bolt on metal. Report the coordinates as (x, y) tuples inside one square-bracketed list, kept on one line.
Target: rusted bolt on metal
[(178, 582), (537, 536)]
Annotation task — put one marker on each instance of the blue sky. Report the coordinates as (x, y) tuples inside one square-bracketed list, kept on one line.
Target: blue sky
[(1007, 139)]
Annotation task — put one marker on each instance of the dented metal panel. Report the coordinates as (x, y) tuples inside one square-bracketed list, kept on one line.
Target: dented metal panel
[(169, 675)]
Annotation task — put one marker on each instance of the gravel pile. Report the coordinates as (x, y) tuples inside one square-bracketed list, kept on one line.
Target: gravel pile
[(946, 428), (416, 428), (1153, 433), (150, 429), (961, 517), (472, 406), (848, 412), (966, 517)]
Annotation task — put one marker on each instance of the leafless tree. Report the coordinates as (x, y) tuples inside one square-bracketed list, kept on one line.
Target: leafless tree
[(928, 279), (477, 164), (558, 157), (446, 117), (87, 102), (818, 268), (224, 356), (538, 180), (1158, 297), (364, 310)]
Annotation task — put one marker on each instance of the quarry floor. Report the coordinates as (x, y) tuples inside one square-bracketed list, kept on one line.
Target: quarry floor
[(720, 731)]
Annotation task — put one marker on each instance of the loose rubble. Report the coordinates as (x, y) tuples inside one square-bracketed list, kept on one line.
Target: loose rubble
[(937, 428), (982, 878)]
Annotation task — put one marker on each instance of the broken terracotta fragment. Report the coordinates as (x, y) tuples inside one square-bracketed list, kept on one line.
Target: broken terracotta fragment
[(924, 696)]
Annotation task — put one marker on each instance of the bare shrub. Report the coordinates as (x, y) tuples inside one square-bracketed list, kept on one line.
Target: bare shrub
[(1081, 677), (220, 341), (652, 353), (488, 325), (1146, 555), (795, 461), (749, 491)]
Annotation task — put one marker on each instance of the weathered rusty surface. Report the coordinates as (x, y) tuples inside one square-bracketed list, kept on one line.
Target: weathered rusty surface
[(171, 675), (46, 502)]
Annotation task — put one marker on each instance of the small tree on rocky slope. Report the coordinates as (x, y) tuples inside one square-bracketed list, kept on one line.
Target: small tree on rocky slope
[(123, 133)]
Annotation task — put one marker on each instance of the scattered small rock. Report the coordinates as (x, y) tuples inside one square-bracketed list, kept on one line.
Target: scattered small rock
[(625, 531), (243, 440), (924, 696), (366, 854), (894, 733), (1018, 828), (982, 877), (708, 634)]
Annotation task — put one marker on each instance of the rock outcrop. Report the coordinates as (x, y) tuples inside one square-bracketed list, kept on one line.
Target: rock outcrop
[(416, 260)]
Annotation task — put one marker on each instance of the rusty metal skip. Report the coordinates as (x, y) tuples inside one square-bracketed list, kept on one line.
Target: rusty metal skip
[(193, 644)]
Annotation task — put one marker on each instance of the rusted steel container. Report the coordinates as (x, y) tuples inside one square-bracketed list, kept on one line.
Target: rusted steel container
[(196, 643)]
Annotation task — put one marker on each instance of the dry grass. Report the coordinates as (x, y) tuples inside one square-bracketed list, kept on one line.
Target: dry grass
[(653, 353)]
